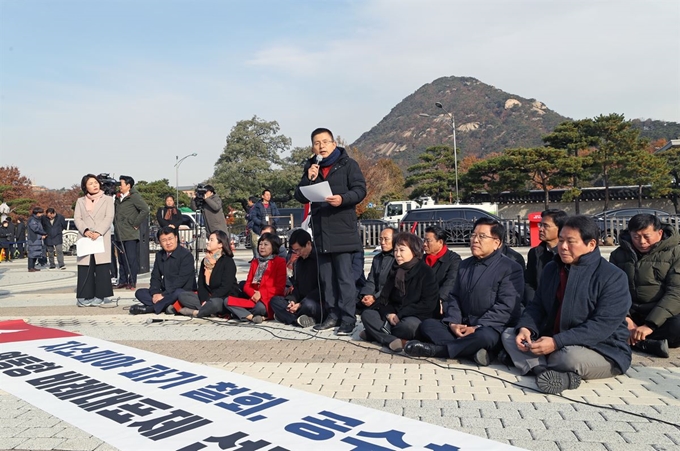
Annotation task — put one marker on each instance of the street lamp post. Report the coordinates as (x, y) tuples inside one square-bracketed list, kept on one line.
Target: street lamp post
[(455, 151), (178, 161)]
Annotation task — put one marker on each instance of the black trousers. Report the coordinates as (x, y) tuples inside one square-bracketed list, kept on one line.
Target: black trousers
[(435, 331), (383, 332), (94, 281), (309, 307), (212, 306), (144, 296), (128, 259), (670, 330), (338, 285)]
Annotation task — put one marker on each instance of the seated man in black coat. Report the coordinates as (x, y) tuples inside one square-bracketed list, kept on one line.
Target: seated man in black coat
[(302, 303), (484, 301), (173, 272), (380, 269), (443, 262), (575, 326)]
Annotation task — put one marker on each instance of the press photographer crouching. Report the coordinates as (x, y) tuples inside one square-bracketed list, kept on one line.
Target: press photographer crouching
[(210, 204)]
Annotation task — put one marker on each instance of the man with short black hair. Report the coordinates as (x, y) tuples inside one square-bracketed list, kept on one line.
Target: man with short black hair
[(54, 225), (575, 326), (443, 261), (649, 254), (545, 252), (213, 214), (302, 303), (485, 299), (131, 212), (380, 269), (334, 224), (173, 272), (263, 214)]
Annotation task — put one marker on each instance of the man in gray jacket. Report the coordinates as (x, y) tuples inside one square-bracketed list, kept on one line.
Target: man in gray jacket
[(131, 212), (211, 206)]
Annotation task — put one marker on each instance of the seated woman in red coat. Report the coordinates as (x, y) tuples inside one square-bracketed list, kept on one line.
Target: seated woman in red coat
[(216, 279), (266, 279)]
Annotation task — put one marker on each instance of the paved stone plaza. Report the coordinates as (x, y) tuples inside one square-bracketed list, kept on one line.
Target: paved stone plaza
[(492, 402)]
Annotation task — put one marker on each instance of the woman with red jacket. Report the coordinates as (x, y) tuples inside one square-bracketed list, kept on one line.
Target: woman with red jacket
[(266, 279)]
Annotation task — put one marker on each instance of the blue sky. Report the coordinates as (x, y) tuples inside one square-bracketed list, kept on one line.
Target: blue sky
[(125, 86)]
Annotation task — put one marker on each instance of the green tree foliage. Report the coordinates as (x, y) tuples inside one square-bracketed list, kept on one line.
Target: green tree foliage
[(493, 176), (642, 168), (285, 180), (154, 194), (546, 167), (250, 160), (435, 175), (672, 159)]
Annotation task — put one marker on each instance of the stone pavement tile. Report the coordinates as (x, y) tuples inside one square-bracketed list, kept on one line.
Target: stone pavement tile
[(12, 442), (490, 423), (105, 447), (557, 434), (599, 436), (531, 424), (461, 412), (79, 444), (456, 396), (385, 395), (506, 433), (490, 397), (42, 443), (420, 395), (40, 432), (584, 446), (536, 445), (71, 432), (648, 438), (503, 414), (531, 397)]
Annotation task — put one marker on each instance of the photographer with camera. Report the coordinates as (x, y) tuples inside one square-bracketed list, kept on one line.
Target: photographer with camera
[(131, 212), (210, 205)]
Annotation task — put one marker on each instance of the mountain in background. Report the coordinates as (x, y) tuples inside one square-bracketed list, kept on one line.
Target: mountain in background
[(487, 120)]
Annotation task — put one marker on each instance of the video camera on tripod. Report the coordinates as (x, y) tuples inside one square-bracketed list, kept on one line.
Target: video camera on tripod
[(109, 184), (200, 193)]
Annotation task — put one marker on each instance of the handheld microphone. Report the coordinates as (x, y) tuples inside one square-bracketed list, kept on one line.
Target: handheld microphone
[(317, 160)]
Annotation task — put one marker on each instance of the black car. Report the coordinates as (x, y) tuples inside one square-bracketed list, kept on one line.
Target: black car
[(612, 222), (456, 221)]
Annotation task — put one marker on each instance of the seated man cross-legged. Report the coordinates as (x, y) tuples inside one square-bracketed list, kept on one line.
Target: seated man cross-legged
[(650, 256), (173, 272), (485, 299), (575, 326), (302, 302)]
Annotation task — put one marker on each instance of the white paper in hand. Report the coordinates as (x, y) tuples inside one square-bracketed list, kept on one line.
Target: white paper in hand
[(317, 192), (87, 246)]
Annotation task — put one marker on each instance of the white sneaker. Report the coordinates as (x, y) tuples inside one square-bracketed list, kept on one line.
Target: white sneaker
[(80, 302), (114, 280)]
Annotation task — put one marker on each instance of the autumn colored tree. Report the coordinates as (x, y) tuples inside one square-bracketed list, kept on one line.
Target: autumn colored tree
[(384, 179), (672, 159), (16, 190)]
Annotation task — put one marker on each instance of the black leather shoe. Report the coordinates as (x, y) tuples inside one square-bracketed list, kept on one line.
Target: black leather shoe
[(137, 309), (416, 348), (658, 348), (328, 324), (345, 329), (555, 382)]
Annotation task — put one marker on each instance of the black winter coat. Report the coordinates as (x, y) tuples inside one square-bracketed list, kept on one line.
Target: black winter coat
[(488, 292), (171, 273), (377, 276), (538, 257), (335, 228), (594, 309), (175, 218), (446, 272), (54, 229), (421, 299), (222, 280)]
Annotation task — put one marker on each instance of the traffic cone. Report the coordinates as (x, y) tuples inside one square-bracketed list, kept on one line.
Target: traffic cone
[(2, 254)]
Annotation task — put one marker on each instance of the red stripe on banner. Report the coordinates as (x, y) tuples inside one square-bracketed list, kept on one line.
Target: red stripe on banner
[(19, 330)]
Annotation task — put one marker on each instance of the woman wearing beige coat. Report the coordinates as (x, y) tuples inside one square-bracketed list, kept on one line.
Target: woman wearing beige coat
[(93, 217)]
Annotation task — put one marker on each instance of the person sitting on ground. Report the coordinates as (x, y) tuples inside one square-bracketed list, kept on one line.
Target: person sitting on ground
[(443, 261), (650, 256), (485, 300), (283, 252), (169, 215), (575, 326), (380, 269), (216, 280), (266, 279), (545, 252), (302, 302), (173, 272), (410, 295)]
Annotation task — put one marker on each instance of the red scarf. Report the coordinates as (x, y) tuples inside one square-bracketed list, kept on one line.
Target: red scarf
[(431, 259)]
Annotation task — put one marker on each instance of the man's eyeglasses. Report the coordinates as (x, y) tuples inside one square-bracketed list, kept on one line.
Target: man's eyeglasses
[(325, 142), (475, 236), (382, 238), (543, 225)]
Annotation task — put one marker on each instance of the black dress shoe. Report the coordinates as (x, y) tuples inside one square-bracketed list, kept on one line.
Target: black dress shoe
[(328, 324), (120, 286), (658, 348), (345, 329), (137, 309), (416, 348)]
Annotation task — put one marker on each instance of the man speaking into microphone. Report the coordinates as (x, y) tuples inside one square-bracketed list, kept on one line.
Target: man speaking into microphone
[(334, 226)]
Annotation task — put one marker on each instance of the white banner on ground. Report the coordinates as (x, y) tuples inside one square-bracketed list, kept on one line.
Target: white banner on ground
[(138, 400)]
